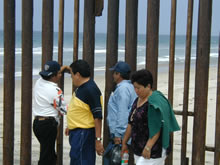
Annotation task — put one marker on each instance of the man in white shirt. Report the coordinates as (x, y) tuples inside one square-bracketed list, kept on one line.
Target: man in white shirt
[(48, 106)]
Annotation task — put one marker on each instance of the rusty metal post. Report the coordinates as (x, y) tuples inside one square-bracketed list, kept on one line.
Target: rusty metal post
[(201, 82), (131, 43), (89, 33), (184, 160), (76, 30), (9, 82), (111, 56), (217, 132), (171, 67), (131, 33), (61, 83), (26, 96), (47, 31), (153, 12), (99, 5)]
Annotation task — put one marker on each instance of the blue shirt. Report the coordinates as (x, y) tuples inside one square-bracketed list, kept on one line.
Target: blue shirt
[(119, 106)]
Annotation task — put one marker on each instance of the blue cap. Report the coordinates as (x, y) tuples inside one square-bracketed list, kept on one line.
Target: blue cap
[(121, 67), (49, 68)]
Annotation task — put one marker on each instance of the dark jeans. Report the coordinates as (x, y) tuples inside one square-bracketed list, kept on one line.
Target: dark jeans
[(46, 133), (82, 143)]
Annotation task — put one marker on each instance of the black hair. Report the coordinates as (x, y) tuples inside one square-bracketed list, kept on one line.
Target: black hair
[(49, 77), (82, 67), (142, 77), (125, 76)]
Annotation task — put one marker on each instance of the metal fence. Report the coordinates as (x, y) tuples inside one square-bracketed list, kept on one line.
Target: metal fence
[(93, 8)]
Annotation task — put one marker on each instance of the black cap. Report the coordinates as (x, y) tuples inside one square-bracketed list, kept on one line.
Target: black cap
[(49, 68)]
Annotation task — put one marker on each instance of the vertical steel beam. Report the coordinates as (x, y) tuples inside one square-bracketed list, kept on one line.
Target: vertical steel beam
[(89, 33), (131, 33), (9, 82), (26, 96), (76, 30), (201, 82), (61, 83), (171, 66), (131, 43), (99, 4), (186, 82), (47, 31), (153, 12), (217, 132), (111, 56)]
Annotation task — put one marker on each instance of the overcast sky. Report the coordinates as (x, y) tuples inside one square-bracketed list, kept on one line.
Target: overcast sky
[(101, 22)]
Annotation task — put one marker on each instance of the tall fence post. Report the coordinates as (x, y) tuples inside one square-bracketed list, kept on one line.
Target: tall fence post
[(217, 132), (184, 160), (99, 5), (47, 31), (111, 56), (9, 82), (89, 33), (76, 30), (201, 82), (26, 96), (61, 83), (153, 12), (171, 67), (131, 33), (131, 43)]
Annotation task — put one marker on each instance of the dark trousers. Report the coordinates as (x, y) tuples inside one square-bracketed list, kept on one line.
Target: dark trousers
[(46, 133), (82, 143)]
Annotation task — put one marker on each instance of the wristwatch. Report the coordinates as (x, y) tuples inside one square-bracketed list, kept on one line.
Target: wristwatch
[(147, 148), (98, 138)]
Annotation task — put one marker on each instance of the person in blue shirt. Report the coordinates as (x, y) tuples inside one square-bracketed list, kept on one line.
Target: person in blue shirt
[(119, 105)]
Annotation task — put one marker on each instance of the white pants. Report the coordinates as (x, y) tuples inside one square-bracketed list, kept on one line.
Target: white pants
[(140, 160)]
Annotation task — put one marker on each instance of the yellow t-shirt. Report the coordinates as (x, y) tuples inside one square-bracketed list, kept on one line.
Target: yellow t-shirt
[(85, 106)]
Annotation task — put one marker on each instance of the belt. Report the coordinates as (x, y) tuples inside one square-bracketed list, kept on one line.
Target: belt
[(43, 117)]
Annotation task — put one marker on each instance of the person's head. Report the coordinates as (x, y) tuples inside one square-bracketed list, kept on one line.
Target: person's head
[(143, 82), (51, 71), (121, 71), (80, 71)]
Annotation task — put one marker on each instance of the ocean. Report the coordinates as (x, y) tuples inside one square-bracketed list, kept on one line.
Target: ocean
[(100, 51)]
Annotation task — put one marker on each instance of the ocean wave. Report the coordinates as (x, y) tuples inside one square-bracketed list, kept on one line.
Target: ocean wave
[(141, 48), (214, 55), (121, 50), (101, 68), (100, 51), (35, 72)]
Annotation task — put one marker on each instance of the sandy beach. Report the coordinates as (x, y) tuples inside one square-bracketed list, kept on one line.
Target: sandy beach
[(162, 86)]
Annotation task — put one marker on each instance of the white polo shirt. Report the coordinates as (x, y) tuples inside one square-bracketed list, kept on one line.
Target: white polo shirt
[(45, 96)]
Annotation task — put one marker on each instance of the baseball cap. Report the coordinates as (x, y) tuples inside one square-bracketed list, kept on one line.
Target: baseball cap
[(49, 68), (121, 67)]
